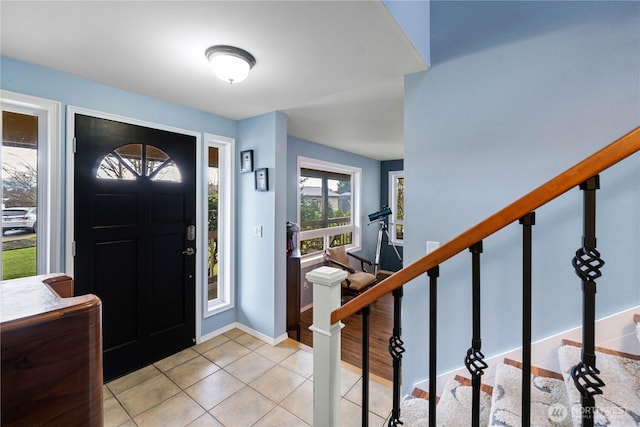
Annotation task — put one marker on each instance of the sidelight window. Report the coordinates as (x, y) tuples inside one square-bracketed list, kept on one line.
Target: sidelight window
[(219, 223), (30, 176), (396, 202)]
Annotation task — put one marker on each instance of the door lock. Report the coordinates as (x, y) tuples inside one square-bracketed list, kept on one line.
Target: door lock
[(189, 251), (191, 233)]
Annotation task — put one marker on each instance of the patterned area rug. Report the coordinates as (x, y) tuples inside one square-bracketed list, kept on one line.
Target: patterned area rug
[(414, 411), (619, 403), (546, 394)]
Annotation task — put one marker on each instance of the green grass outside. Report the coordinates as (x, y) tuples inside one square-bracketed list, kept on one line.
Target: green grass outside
[(18, 263)]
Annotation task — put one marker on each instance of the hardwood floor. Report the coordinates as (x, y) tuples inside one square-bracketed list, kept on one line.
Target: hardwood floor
[(380, 329)]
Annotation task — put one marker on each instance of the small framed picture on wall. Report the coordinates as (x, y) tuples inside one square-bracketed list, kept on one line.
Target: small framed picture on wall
[(262, 179), (246, 161)]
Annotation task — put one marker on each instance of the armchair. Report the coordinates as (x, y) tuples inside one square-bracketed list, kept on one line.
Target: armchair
[(357, 281)]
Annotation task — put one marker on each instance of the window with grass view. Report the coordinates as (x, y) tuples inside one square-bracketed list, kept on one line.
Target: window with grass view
[(328, 210), (19, 194)]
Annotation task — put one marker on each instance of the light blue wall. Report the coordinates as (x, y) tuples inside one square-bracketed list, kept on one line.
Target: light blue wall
[(370, 191), (261, 283), (260, 267), (488, 124), (413, 17), (29, 79)]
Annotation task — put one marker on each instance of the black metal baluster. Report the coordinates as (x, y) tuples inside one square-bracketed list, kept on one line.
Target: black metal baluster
[(433, 330), (527, 222), (587, 264), (474, 360), (396, 349), (366, 311)]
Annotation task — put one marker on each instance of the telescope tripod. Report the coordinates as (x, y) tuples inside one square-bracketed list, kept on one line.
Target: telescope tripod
[(383, 230)]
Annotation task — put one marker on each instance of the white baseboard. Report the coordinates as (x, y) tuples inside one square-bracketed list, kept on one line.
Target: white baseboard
[(217, 332), (616, 332), (261, 336), (243, 328)]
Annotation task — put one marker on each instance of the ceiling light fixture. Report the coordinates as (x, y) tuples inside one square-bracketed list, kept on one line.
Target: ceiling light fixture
[(229, 63)]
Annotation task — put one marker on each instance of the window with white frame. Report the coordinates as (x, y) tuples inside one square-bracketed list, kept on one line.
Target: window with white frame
[(396, 202), (31, 167), (219, 223), (328, 206)]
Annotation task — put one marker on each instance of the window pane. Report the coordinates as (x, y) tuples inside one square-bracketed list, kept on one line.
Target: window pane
[(396, 201), (399, 199), (325, 199), (112, 168), (20, 194), (155, 159), (341, 240), (213, 178), (311, 246), (167, 172), (126, 163), (399, 231), (131, 155)]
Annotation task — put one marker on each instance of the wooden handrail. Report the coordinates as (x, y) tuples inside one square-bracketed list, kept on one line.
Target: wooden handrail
[(576, 175)]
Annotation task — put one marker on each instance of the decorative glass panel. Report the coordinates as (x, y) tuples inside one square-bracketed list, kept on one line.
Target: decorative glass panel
[(155, 159), (131, 156), (167, 172), (128, 163), (111, 167)]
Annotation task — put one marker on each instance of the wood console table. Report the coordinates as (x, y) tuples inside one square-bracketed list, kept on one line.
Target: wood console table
[(51, 350)]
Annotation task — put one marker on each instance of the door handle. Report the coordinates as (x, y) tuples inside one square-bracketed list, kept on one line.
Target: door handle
[(189, 251)]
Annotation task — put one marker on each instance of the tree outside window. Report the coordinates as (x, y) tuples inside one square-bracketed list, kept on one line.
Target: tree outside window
[(396, 201), (326, 210)]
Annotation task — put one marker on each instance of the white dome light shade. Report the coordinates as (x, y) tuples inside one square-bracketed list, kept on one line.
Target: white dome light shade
[(229, 63)]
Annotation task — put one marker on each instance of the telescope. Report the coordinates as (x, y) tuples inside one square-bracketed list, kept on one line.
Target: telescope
[(382, 213)]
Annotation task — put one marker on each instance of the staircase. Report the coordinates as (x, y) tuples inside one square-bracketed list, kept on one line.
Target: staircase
[(555, 401), (590, 395)]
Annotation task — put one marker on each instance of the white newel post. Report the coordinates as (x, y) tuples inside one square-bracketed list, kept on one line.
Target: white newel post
[(326, 345)]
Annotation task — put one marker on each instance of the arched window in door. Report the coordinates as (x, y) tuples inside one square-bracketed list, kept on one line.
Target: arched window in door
[(131, 161)]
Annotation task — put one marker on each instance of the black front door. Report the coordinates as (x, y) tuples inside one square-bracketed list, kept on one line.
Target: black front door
[(135, 238)]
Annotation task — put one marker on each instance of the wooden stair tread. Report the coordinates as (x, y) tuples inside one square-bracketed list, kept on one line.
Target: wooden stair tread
[(468, 383), (421, 394), (538, 372), (603, 350)]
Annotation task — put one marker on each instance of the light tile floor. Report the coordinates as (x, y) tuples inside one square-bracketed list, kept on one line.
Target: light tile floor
[(233, 380)]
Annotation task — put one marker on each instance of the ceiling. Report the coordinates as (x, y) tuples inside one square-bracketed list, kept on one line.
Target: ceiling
[(335, 68)]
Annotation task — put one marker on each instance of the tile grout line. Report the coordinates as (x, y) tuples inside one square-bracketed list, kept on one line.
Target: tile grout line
[(200, 353)]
